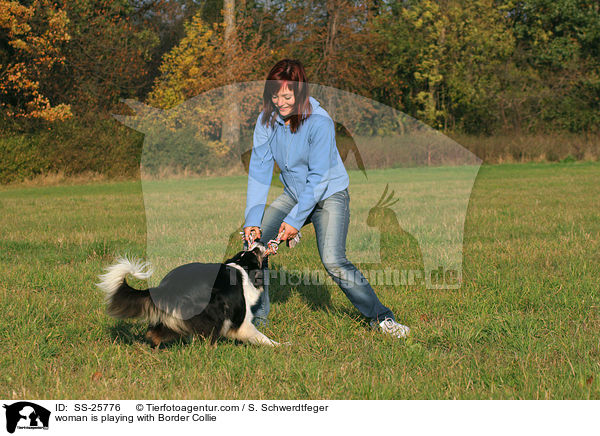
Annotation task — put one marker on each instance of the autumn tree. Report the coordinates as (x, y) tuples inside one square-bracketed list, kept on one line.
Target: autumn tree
[(230, 129), (335, 41), (32, 42), (107, 56), (202, 61)]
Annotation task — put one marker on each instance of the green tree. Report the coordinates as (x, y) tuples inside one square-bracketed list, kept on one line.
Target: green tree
[(447, 57), (560, 41)]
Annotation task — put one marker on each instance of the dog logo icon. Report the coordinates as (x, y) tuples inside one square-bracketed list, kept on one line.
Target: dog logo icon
[(26, 415)]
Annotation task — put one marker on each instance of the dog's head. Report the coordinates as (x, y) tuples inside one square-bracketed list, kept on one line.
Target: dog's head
[(250, 259)]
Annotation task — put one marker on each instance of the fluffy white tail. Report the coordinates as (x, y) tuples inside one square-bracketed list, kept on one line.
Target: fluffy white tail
[(116, 273)]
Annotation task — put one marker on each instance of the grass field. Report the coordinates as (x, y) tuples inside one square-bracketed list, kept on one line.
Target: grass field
[(524, 324)]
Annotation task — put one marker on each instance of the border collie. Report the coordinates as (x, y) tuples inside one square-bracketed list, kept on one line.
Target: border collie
[(209, 300)]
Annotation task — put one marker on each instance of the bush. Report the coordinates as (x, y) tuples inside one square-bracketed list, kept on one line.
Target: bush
[(22, 156), (176, 151), (72, 147), (102, 145)]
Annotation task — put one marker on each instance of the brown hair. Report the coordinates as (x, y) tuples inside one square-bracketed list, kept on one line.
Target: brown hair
[(290, 73)]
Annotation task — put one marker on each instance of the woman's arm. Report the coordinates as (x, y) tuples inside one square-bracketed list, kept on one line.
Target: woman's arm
[(321, 158), (260, 175)]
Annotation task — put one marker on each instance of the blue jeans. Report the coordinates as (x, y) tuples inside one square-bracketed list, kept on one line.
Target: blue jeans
[(330, 218)]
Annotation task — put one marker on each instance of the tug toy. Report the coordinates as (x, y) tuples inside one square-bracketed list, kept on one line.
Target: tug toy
[(273, 244)]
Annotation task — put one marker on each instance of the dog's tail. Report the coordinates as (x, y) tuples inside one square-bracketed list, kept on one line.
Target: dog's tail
[(123, 301)]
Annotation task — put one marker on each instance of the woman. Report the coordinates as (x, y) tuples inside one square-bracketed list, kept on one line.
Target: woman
[(294, 131)]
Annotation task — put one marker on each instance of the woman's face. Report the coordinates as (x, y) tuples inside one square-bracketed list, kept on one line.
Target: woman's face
[(284, 101)]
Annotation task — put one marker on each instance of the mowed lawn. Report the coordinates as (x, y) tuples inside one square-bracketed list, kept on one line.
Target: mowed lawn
[(524, 324)]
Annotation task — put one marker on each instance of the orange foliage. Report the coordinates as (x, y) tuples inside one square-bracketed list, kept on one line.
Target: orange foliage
[(33, 49)]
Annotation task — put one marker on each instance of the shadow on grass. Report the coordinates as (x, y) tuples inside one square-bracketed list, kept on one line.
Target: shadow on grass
[(125, 332), (316, 296), (399, 251)]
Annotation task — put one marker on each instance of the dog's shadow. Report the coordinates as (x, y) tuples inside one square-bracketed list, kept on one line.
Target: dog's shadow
[(127, 332)]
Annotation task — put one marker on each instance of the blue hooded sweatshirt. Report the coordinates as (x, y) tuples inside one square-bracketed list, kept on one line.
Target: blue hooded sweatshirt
[(311, 166)]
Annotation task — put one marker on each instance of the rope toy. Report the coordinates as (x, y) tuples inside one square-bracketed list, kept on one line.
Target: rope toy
[(273, 244)]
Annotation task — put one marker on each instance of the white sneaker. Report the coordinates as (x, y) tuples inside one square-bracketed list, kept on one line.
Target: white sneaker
[(391, 327)]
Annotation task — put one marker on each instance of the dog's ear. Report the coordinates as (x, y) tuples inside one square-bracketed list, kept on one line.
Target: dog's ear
[(251, 260), (259, 252), (236, 259), (254, 259)]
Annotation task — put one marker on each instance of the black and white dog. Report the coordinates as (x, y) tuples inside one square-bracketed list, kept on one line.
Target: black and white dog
[(209, 300)]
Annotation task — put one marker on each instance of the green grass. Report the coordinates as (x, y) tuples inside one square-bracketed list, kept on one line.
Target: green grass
[(525, 323)]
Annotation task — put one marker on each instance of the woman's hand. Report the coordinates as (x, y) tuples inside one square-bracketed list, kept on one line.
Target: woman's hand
[(288, 231), (248, 230)]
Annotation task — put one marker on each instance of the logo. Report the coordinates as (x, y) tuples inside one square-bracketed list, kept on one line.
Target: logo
[(26, 415)]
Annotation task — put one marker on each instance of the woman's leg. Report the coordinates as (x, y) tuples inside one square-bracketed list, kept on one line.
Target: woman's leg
[(272, 219), (330, 219)]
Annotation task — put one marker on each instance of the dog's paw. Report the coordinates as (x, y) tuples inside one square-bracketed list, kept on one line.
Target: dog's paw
[(281, 344), (153, 338)]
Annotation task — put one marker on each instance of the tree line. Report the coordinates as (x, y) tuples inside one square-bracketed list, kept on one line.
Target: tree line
[(483, 67)]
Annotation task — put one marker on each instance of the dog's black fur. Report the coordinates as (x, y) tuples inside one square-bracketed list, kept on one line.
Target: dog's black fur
[(209, 300)]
